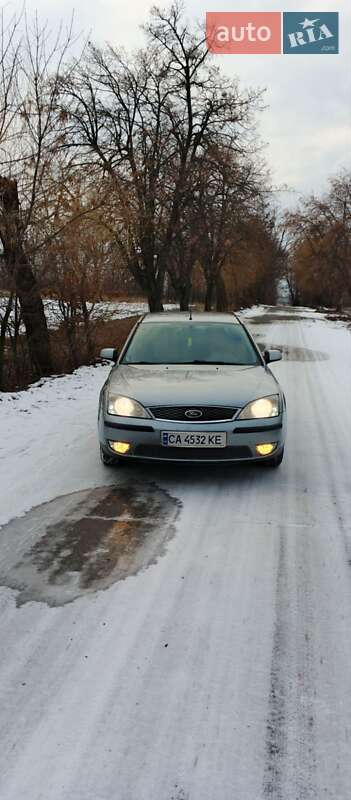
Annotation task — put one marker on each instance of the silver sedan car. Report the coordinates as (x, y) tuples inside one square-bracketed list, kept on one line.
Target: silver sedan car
[(191, 387)]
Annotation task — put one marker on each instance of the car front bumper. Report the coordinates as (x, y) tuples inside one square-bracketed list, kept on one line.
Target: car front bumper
[(144, 437)]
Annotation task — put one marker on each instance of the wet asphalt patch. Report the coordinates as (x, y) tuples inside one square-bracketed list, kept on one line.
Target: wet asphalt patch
[(290, 353), (266, 319), (84, 542)]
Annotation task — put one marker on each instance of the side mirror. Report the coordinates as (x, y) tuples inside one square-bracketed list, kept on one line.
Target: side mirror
[(109, 354), (272, 355)]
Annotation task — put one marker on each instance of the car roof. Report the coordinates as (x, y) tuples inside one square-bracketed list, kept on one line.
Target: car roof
[(196, 316)]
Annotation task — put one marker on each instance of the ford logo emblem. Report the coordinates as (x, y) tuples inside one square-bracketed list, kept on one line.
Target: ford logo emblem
[(193, 413)]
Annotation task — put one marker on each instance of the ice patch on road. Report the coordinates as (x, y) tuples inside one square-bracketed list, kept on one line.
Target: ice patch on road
[(86, 541), (290, 353)]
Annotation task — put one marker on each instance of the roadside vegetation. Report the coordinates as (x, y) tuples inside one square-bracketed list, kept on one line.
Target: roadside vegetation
[(139, 175), (319, 248)]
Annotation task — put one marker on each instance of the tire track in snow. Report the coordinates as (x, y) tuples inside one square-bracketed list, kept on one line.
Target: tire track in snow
[(307, 729), (290, 736), (330, 580), (337, 435), (276, 729)]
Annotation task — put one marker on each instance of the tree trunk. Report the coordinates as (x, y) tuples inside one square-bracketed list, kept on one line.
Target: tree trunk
[(154, 290), (181, 285), (3, 331), (209, 294), (87, 328), (154, 301), (150, 282), (24, 280), (33, 315), (221, 292), (184, 296), (72, 342)]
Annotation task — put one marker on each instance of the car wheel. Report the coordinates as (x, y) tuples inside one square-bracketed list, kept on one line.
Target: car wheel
[(108, 461), (275, 461)]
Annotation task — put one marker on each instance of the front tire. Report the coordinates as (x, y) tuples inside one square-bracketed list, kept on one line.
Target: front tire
[(107, 460), (275, 461)]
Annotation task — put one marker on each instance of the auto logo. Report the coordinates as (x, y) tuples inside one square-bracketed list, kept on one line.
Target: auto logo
[(193, 413)]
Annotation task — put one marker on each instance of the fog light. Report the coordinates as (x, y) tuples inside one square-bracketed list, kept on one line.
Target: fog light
[(265, 449), (120, 447)]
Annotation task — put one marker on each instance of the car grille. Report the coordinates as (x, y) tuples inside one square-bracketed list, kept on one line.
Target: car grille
[(208, 413), (192, 453)]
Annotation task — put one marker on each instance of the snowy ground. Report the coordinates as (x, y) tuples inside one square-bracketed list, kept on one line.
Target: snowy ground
[(104, 310), (219, 669)]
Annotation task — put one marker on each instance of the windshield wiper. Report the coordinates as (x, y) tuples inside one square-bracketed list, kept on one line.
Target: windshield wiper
[(186, 363), (216, 363)]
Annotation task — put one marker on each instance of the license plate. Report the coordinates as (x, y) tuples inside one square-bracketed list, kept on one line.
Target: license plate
[(193, 439)]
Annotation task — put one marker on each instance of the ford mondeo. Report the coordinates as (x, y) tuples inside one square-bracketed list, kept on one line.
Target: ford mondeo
[(191, 387)]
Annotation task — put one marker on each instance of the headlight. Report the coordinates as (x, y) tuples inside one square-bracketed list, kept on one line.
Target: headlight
[(261, 409), (124, 406)]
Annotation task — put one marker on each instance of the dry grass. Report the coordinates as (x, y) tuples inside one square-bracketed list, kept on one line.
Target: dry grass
[(113, 333)]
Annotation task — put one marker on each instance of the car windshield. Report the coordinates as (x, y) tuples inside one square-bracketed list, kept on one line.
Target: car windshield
[(190, 343)]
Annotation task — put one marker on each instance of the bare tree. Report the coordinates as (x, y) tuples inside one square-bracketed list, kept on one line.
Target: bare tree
[(145, 123), (32, 67), (231, 189), (320, 245), (76, 259)]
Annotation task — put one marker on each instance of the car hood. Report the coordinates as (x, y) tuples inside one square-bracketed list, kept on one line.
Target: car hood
[(230, 385)]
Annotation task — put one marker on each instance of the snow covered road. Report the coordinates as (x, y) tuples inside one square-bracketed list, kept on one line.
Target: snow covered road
[(200, 647)]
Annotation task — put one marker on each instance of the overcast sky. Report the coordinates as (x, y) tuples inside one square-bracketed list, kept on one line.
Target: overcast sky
[(307, 122)]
